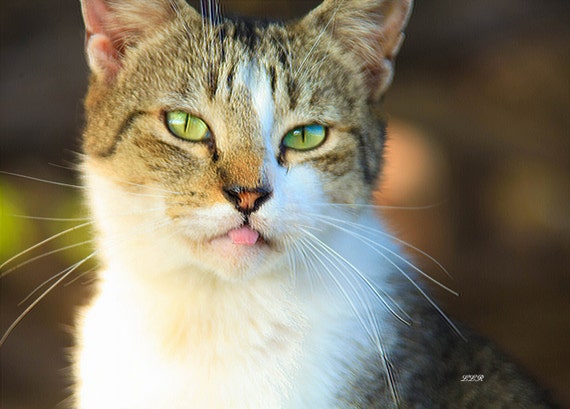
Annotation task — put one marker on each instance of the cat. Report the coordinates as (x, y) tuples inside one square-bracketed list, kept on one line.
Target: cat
[(229, 165)]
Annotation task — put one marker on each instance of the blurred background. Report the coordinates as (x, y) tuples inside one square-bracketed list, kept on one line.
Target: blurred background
[(478, 162)]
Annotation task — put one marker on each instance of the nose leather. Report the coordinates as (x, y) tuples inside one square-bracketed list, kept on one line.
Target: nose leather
[(247, 200)]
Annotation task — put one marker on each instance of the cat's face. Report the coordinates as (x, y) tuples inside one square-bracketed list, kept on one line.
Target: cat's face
[(220, 141)]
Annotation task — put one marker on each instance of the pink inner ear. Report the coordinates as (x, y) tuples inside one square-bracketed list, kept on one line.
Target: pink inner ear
[(102, 48), (103, 56), (95, 14)]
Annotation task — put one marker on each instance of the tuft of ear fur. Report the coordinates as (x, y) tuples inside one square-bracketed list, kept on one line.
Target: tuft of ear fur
[(371, 31), (111, 26)]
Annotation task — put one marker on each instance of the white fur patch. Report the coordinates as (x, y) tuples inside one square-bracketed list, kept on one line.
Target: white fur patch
[(257, 81)]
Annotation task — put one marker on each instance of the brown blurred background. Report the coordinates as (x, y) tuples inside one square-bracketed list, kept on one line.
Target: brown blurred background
[(479, 145)]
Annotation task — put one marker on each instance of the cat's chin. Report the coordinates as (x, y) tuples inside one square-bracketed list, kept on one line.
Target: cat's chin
[(239, 254)]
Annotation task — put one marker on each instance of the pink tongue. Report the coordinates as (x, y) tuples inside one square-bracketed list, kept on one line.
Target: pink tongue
[(244, 235)]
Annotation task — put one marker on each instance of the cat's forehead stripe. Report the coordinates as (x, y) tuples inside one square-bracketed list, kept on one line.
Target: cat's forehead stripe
[(245, 32), (258, 82)]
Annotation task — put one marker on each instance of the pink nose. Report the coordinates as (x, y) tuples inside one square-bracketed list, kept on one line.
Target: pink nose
[(247, 200)]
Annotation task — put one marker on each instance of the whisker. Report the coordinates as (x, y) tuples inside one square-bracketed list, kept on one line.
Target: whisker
[(375, 333), (416, 286), (317, 41), (80, 276), (41, 243), (147, 195), (342, 288), (218, 12), (362, 277), (51, 219), (292, 262), (46, 254), (50, 182), (88, 281), (39, 287), (383, 207), (390, 236), (41, 297), (55, 236), (63, 275), (373, 243), (307, 263), (55, 165), (150, 187)]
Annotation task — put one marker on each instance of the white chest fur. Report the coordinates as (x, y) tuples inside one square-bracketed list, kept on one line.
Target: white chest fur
[(195, 343), (257, 348)]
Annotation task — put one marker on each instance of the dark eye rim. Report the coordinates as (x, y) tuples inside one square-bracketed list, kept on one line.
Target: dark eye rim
[(208, 141), (284, 148)]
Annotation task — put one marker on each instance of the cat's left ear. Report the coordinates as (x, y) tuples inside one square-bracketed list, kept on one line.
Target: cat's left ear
[(113, 25), (371, 33)]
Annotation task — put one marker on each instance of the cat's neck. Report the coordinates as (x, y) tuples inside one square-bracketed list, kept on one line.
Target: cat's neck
[(265, 328), (190, 309)]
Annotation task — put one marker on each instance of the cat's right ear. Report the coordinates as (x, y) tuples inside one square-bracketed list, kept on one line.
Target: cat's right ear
[(111, 26), (369, 31)]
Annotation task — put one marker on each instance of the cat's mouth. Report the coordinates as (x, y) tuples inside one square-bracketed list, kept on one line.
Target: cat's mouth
[(243, 236)]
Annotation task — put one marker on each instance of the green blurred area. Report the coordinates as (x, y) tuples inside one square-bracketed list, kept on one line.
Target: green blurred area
[(27, 220), (16, 233)]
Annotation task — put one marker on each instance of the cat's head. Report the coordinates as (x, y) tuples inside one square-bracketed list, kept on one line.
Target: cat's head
[(219, 142)]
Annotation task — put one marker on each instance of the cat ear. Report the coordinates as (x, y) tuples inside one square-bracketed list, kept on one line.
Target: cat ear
[(113, 25), (371, 31)]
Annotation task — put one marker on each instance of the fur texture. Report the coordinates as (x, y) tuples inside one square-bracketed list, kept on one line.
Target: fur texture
[(318, 313)]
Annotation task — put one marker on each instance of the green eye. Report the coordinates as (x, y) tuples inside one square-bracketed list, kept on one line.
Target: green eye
[(187, 127), (305, 138)]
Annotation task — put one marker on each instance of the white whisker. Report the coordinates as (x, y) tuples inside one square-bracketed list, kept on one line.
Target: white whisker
[(372, 245), (46, 254), (307, 263), (41, 243), (317, 41), (55, 165), (382, 207), (80, 276), (355, 292), (51, 219), (373, 330), (50, 182), (407, 262), (362, 277), (63, 275), (155, 188), (146, 195), (292, 262), (392, 237), (39, 287), (60, 234), (42, 296)]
